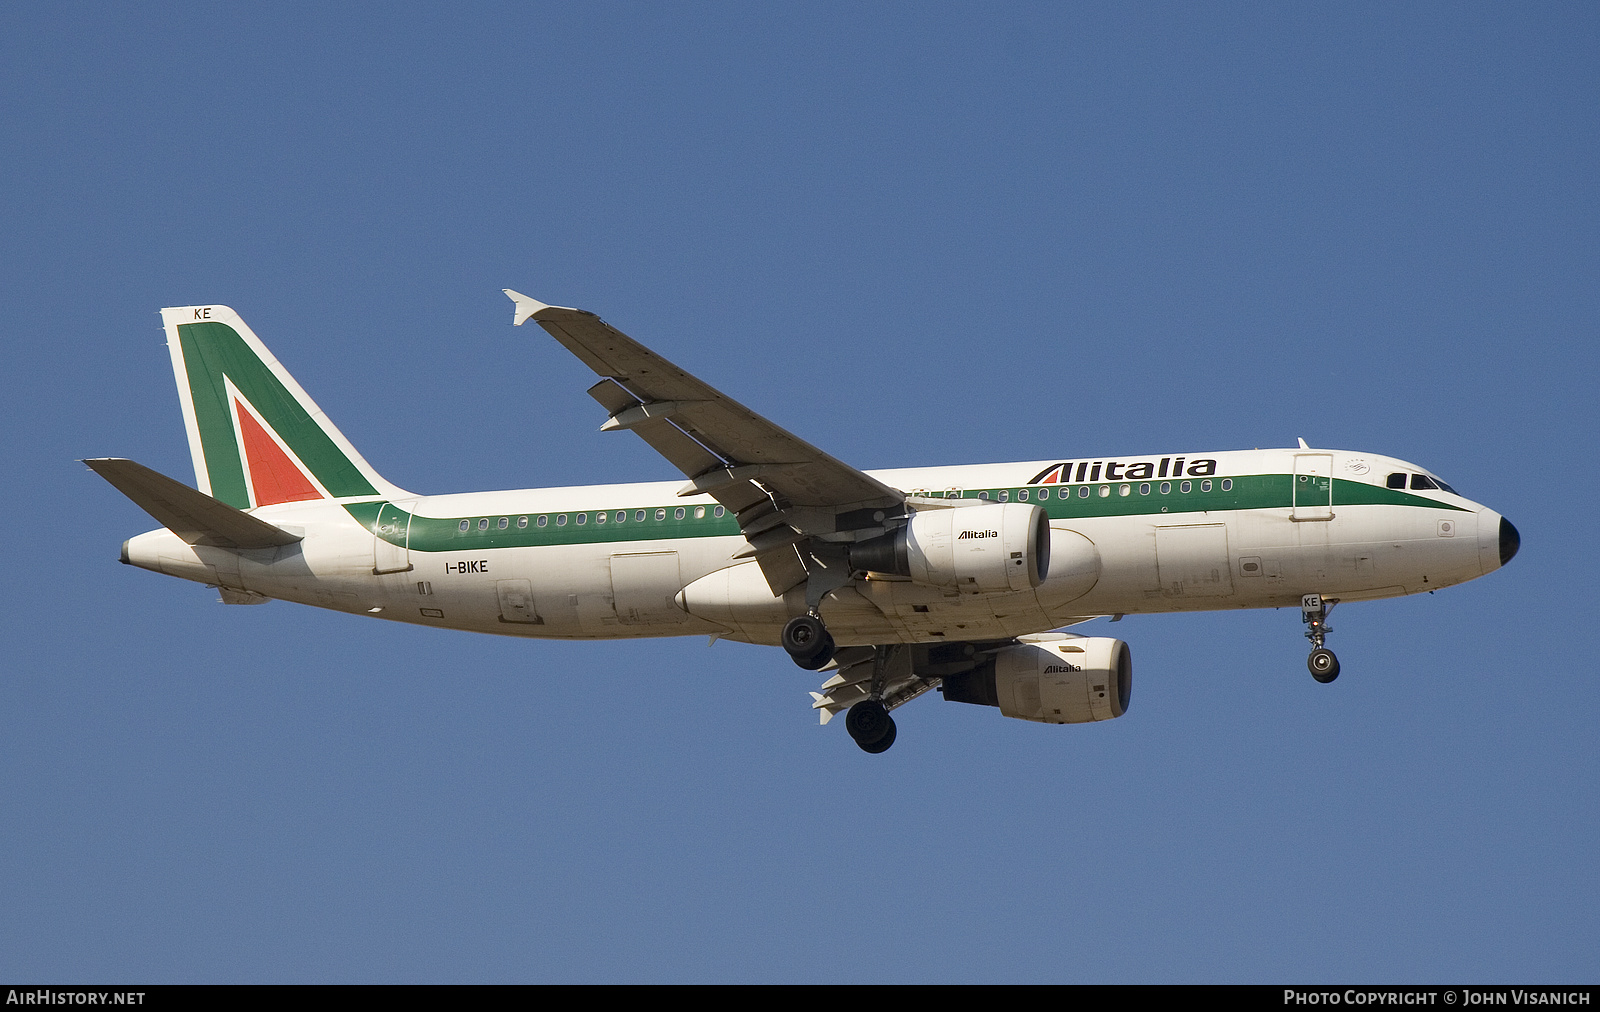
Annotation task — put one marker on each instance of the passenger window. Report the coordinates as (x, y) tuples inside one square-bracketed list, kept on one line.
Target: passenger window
[(638, 516), (1422, 481), (505, 522), (522, 521), (1083, 491), (1144, 488), (1166, 487), (582, 518), (466, 524), (1044, 494), (1205, 486), (718, 511), (1185, 487), (483, 524), (622, 516), (1105, 490), (1005, 495), (984, 496), (678, 514), (1397, 480), (1124, 489), (1227, 484), (1022, 495), (699, 512), (561, 521), (661, 514), (543, 521), (600, 517)]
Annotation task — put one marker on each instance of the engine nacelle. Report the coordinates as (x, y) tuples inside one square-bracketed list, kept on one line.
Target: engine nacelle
[(1072, 680), (982, 549)]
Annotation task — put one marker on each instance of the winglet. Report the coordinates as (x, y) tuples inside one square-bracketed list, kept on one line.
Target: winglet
[(526, 307), (1303, 445)]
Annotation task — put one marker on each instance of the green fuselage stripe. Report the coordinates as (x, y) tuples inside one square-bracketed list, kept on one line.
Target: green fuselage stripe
[(1253, 491)]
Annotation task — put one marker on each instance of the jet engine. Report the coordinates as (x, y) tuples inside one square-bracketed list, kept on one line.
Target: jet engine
[(1071, 680), (981, 549)]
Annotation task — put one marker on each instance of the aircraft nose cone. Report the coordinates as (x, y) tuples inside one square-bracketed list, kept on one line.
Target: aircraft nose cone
[(1510, 541)]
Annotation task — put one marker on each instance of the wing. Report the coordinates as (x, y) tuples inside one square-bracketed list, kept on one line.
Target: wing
[(902, 672), (782, 489), (906, 670), (854, 669)]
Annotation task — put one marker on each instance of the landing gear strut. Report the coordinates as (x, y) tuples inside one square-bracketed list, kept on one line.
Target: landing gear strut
[(808, 641), (1314, 610)]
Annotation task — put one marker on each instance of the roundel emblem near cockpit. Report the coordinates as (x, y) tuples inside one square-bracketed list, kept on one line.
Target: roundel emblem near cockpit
[(1356, 465)]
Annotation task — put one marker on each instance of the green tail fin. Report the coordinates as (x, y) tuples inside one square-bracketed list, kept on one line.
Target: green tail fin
[(255, 435)]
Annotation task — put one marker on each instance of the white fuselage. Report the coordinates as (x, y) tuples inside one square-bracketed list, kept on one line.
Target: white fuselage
[(1289, 522)]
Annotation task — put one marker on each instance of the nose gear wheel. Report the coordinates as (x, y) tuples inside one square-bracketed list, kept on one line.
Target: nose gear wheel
[(1324, 666)]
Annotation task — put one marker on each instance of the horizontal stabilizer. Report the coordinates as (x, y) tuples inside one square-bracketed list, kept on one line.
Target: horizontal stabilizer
[(193, 516)]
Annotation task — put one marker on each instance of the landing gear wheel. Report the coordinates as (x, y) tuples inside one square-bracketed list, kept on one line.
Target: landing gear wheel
[(882, 744), (869, 723), (1324, 666), (808, 642)]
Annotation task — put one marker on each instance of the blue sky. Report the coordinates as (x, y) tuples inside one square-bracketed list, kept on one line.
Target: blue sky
[(913, 235)]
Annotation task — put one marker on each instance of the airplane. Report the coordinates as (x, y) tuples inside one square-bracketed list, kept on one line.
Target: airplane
[(894, 583)]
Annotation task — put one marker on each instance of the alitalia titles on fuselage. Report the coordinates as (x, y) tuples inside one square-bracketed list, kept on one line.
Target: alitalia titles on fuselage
[(1072, 472)]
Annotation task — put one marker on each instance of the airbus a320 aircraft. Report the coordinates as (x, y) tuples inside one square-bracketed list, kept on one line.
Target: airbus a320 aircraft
[(894, 582)]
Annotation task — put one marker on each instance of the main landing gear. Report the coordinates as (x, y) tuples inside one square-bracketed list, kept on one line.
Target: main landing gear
[(870, 725), (808, 642), (1314, 610), (811, 646), (868, 721)]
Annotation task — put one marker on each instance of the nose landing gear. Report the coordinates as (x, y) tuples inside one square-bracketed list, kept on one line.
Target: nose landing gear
[(1314, 610)]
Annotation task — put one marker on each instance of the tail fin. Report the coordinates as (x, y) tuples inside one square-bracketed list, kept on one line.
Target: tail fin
[(256, 437)]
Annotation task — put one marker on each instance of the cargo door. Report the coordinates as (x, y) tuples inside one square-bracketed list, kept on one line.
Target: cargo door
[(516, 602), (644, 589), (1192, 561)]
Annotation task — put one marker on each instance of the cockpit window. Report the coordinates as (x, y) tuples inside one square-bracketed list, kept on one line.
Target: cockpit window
[(1397, 480), (1447, 488), (1422, 482)]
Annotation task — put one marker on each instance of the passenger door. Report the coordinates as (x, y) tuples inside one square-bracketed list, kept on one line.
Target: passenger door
[(394, 522), (1313, 486)]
